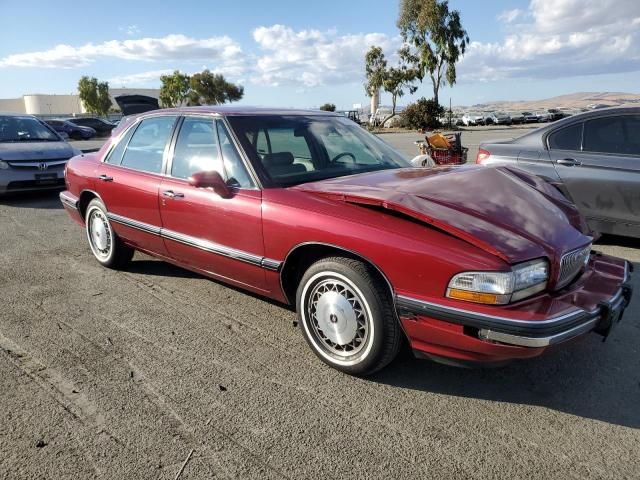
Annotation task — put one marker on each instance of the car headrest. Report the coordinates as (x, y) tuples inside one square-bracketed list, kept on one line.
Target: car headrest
[(278, 159)]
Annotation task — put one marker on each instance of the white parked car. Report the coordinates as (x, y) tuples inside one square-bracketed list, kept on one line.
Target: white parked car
[(473, 118)]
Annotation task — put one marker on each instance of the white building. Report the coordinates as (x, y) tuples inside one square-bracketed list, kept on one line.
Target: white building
[(63, 105)]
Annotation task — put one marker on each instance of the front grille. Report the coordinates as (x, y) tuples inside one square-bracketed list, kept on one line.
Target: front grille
[(35, 164), (571, 264)]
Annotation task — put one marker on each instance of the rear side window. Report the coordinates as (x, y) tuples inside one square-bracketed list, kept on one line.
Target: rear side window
[(568, 138), (146, 147), (116, 153), (615, 135)]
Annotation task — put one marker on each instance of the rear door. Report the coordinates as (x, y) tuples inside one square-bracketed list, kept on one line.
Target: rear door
[(602, 174), (129, 179), (222, 236)]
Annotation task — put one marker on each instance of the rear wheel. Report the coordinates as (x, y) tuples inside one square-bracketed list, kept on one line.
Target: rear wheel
[(346, 315), (105, 244)]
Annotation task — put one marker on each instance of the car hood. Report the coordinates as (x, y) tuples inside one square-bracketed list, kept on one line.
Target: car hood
[(16, 151), (502, 210)]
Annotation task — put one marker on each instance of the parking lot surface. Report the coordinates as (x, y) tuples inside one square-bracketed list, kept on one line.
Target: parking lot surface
[(107, 374), (471, 138)]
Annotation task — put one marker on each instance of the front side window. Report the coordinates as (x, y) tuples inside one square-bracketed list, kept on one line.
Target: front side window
[(615, 135), (300, 148), (146, 147), (196, 148), (568, 138), (237, 174), (204, 145)]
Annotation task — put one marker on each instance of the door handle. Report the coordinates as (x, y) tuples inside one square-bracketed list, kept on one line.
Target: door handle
[(568, 162), (105, 178), (172, 194)]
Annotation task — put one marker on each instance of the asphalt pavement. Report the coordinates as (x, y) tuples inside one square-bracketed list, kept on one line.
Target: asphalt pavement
[(135, 374)]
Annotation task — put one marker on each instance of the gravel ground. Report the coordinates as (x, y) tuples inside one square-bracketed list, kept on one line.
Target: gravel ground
[(108, 374)]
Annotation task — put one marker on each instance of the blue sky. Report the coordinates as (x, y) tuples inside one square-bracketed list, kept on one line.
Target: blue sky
[(302, 54)]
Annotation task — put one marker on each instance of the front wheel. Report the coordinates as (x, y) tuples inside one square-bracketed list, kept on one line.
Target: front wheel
[(346, 315), (105, 244)]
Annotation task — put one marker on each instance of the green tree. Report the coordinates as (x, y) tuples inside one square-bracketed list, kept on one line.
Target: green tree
[(207, 88), (328, 107), (104, 99), (436, 34), (94, 95), (422, 115), (393, 80), (174, 89)]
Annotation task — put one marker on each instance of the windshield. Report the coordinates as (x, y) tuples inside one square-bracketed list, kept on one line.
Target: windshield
[(24, 129), (289, 150)]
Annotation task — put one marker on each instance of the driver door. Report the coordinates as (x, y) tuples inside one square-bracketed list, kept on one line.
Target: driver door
[(220, 236), (602, 175)]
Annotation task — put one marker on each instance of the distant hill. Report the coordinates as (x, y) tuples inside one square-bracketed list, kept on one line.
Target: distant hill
[(573, 101)]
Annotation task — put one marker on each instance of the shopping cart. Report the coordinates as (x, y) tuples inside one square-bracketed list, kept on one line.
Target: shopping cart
[(453, 154)]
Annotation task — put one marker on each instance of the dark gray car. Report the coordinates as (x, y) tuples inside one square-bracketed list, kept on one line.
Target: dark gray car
[(32, 155), (592, 157)]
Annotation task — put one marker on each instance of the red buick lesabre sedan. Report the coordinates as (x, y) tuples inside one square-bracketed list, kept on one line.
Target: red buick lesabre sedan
[(471, 265)]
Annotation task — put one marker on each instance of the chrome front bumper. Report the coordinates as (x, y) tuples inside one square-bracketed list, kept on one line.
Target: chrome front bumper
[(528, 333)]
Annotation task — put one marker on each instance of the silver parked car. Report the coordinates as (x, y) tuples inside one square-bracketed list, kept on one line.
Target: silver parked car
[(498, 118), (593, 158), (32, 155)]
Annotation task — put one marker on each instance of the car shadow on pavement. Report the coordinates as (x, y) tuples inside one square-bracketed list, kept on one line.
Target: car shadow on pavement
[(616, 240), (145, 265), (159, 268), (587, 379), (48, 200)]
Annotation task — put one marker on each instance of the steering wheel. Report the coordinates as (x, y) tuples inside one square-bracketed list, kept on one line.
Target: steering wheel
[(344, 154)]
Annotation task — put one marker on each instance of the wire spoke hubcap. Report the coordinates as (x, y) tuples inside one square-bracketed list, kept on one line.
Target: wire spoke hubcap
[(338, 318), (99, 233)]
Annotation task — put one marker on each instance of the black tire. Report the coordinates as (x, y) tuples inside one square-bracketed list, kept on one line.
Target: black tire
[(104, 243), (378, 335)]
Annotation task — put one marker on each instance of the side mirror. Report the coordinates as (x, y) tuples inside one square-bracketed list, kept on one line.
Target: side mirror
[(212, 180)]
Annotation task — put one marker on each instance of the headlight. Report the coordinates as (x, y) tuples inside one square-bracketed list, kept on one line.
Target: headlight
[(3, 165), (500, 288)]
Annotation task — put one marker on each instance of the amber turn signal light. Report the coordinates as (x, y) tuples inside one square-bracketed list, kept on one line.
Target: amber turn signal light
[(486, 298)]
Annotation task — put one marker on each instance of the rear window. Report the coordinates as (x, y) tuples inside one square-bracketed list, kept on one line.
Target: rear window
[(568, 138)]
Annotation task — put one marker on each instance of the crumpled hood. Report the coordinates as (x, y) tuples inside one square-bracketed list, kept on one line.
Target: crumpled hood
[(503, 210), (34, 151)]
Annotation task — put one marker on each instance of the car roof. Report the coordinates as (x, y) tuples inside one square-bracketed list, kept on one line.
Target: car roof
[(16, 115), (534, 136), (245, 110)]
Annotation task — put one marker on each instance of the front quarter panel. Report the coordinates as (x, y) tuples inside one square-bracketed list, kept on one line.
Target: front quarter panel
[(415, 258)]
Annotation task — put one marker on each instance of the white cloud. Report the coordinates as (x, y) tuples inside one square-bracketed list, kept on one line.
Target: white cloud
[(311, 58), (131, 30), (561, 38), (175, 47), (509, 16), (549, 39), (142, 79)]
